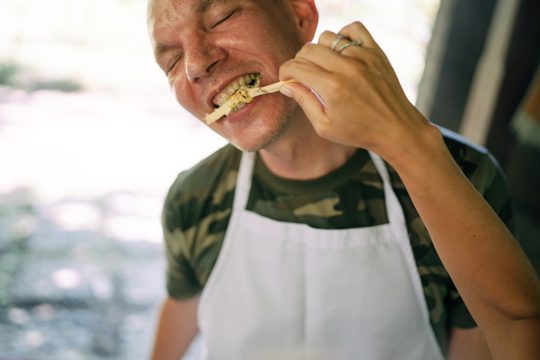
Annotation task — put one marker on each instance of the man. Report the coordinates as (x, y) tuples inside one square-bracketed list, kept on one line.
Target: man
[(307, 244)]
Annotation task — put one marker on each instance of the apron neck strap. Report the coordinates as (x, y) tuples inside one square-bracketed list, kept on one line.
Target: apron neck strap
[(243, 183)]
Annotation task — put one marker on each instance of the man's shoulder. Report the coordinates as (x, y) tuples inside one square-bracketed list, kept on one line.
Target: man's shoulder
[(209, 172), (459, 144), (206, 187)]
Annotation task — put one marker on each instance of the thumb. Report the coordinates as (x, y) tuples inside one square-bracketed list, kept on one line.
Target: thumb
[(308, 100)]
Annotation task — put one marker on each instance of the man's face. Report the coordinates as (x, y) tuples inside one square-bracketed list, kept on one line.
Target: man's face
[(208, 48)]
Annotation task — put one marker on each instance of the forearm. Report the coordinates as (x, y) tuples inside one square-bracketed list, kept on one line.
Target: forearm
[(353, 98), (487, 265), (177, 327), (521, 339)]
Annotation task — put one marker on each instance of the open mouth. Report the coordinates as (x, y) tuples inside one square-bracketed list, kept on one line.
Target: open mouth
[(239, 93), (235, 93)]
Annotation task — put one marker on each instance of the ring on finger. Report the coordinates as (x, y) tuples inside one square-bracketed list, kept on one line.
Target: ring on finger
[(337, 40), (350, 43)]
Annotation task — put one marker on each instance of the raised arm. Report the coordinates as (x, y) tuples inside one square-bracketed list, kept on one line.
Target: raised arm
[(363, 105)]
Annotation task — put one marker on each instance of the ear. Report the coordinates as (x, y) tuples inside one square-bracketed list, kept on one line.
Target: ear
[(307, 17)]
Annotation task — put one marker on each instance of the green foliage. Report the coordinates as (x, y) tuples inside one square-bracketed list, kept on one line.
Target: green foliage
[(63, 85), (8, 71), (17, 76)]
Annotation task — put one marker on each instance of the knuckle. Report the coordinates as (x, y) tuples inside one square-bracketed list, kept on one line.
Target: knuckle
[(322, 128), (378, 64), (353, 67), (305, 51), (309, 48), (373, 60), (355, 25), (333, 101), (285, 67), (370, 60), (327, 34), (358, 26), (334, 87)]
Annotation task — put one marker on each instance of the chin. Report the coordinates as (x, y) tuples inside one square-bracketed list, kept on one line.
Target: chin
[(252, 144), (261, 132)]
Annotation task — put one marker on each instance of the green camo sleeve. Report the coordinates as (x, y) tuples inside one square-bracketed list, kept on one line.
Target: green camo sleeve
[(194, 219), (181, 282)]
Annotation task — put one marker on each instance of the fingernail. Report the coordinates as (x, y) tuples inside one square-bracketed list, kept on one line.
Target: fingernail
[(285, 90)]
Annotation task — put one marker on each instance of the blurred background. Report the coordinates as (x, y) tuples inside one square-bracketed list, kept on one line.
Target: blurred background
[(91, 139)]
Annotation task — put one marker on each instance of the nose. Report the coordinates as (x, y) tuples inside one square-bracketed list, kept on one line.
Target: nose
[(201, 58)]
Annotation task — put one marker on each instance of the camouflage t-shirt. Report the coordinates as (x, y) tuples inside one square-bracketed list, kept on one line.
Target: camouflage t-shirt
[(198, 207)]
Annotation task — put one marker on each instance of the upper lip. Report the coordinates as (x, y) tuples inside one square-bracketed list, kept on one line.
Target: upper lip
[(222, 85)]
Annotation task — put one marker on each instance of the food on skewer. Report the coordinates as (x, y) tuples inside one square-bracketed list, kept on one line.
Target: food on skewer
[(243, 95)]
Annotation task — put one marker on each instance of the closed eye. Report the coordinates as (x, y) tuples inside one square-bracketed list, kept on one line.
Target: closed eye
[(223, 19), (172, 64)]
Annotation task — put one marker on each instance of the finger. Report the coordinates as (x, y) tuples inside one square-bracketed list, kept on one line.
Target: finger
[(324, 57), (310, 77), (341, 44), (350, 48), (332, 40), (353, 61), (326, 87), (357, 31), (309, 74), (307, 99)]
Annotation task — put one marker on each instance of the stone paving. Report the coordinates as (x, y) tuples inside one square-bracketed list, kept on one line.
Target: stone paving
[(73, 294), (81, 256)]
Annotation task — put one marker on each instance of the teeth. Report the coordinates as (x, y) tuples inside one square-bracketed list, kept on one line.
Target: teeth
[(250, 80)]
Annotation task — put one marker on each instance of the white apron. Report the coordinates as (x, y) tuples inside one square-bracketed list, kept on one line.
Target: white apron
[(288, 291)]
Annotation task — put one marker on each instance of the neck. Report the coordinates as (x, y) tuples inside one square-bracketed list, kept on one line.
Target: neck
[(301, 154)]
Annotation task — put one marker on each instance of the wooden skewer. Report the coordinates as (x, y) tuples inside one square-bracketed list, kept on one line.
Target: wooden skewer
[(226, 108), (268, 89)]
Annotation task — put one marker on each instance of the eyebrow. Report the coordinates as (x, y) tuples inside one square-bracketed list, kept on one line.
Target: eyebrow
[(205, 4), (201, 7), (160, 49)]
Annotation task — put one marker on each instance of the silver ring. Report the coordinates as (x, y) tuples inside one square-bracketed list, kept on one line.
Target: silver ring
[(337, 40), (350, 43)]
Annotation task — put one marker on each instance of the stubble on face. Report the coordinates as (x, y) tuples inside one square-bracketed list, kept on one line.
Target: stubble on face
[(290, 42), (260, 135), (278, 132)]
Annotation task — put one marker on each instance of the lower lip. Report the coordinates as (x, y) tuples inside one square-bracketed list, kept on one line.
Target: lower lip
[(242, 113)]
